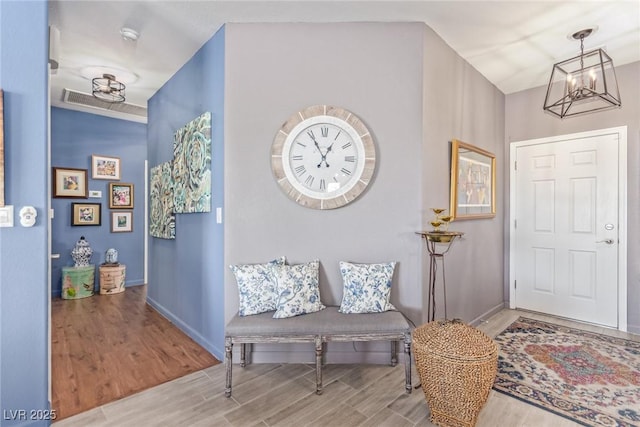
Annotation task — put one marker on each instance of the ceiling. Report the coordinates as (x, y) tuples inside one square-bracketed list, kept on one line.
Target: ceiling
[(512, 43)]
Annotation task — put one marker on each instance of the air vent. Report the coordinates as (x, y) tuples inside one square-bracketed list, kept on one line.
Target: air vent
[(79, 98)]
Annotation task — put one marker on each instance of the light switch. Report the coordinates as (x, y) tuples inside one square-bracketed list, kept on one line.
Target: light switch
[(6, 216), (219, 215)]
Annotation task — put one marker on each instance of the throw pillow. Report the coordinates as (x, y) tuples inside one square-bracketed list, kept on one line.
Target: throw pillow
[(366, 287), (298, 289), (256, 287)]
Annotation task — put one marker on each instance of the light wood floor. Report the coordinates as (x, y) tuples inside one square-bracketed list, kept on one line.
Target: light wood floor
[(283, 395), (106, 347)]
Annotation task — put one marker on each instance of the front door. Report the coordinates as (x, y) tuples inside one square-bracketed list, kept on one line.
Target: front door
[(566, 228)]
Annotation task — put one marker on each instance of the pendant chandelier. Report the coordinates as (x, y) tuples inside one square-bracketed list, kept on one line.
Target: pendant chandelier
[(107, 88), (582, 84)]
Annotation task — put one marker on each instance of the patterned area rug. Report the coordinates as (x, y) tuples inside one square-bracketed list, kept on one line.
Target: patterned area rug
[(589, 378)]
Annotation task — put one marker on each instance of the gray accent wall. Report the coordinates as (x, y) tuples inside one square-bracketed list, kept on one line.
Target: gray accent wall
[(525, 119), (415, 94)]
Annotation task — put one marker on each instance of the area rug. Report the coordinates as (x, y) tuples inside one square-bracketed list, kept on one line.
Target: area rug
[(590, 378)]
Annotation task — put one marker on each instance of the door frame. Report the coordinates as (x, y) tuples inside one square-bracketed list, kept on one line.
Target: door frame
[(621, 131)]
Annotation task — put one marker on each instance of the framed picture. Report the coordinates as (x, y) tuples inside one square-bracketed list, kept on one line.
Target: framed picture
[(70, 182), (121, 221), (86, 214), (103, 167), (120, 196), (1, 151), (473, 182)]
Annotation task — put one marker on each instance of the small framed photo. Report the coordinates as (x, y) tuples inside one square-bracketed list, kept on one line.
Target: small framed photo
[(120, 196), (70, 182), (86, 214), (473, 182), (121, 221), (104, 167)]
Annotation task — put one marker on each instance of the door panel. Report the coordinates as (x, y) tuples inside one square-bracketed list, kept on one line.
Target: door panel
[(566, 260)]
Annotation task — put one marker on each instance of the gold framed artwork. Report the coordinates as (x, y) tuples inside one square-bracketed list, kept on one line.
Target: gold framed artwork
[(120, 195), (121, 221), (105, 167), (1, 149), (473, 182), (70, 183), (86, 214)]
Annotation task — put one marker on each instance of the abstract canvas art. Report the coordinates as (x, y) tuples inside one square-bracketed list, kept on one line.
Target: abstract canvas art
[(162, 221), (192, 166)]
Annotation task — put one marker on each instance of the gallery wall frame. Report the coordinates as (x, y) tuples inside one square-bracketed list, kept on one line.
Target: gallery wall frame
[(86, 214), (120, 195), (121, 221), (105, 167), (70, 183), (1, 148), (473, 182)]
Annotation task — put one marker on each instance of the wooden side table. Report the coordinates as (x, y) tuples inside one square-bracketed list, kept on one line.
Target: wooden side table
[(432, 239), (78, 282), (112, 278)]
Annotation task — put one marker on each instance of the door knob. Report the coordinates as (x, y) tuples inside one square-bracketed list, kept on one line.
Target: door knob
[(607, 241)]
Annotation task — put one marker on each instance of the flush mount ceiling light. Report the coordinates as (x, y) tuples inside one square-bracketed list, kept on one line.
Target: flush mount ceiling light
[(582, 84), (129, 34), (107, 88)]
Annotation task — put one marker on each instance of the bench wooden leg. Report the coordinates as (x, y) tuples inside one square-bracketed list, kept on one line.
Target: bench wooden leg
[(228, 364), (407, 362), (243, 355), (394, 353), (319, 352)]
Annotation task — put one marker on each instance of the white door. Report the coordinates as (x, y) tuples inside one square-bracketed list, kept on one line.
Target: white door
[(566, 228)]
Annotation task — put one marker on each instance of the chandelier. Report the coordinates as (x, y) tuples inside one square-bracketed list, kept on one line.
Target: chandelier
[(107, 88), (582, 84)]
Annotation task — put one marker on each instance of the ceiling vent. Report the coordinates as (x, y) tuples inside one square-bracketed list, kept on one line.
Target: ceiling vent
[(86, 99)]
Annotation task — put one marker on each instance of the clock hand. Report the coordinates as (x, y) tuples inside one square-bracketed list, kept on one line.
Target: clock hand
[(325, 155)]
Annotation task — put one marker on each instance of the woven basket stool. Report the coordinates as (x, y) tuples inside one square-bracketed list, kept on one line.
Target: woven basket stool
[(457, 365)]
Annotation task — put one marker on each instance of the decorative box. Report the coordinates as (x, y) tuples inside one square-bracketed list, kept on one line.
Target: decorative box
[(112, 279), (78, 282)]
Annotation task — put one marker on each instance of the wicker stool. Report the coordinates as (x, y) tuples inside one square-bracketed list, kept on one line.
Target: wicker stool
[(457, 365)]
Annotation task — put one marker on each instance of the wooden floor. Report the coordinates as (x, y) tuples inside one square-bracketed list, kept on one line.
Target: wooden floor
[(283, 395), (107, 347)]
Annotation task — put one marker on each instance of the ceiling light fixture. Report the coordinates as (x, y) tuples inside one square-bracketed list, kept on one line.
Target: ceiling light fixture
[(107, 88), (129, 34), (582, 84)]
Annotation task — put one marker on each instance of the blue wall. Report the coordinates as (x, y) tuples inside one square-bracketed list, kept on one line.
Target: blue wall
[(75, 136), (186, 277), (24, 297)]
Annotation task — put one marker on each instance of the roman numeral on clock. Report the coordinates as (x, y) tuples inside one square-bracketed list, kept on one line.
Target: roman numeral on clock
[(350, 159), (300, 170), (311, 135), (323, 185), (345, 171), (325, 131), (309, 180), (347, 145), (298, 157)]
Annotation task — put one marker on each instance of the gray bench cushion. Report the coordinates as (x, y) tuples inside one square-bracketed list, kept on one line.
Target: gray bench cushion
[(325, 322)]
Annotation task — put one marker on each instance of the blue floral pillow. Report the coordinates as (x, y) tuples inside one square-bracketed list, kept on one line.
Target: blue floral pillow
[(256, 287), (366, 287), (298, 289)]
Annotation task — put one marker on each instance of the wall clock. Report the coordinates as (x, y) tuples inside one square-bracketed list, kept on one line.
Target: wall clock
[(323, 157)]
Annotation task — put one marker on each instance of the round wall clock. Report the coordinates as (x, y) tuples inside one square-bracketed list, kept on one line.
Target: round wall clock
[(323, 157)]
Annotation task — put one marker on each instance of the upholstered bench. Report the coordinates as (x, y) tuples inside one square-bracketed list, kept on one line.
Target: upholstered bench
[(318, 328)]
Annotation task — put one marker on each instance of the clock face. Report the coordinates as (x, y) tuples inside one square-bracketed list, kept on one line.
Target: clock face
[(323, 157)]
